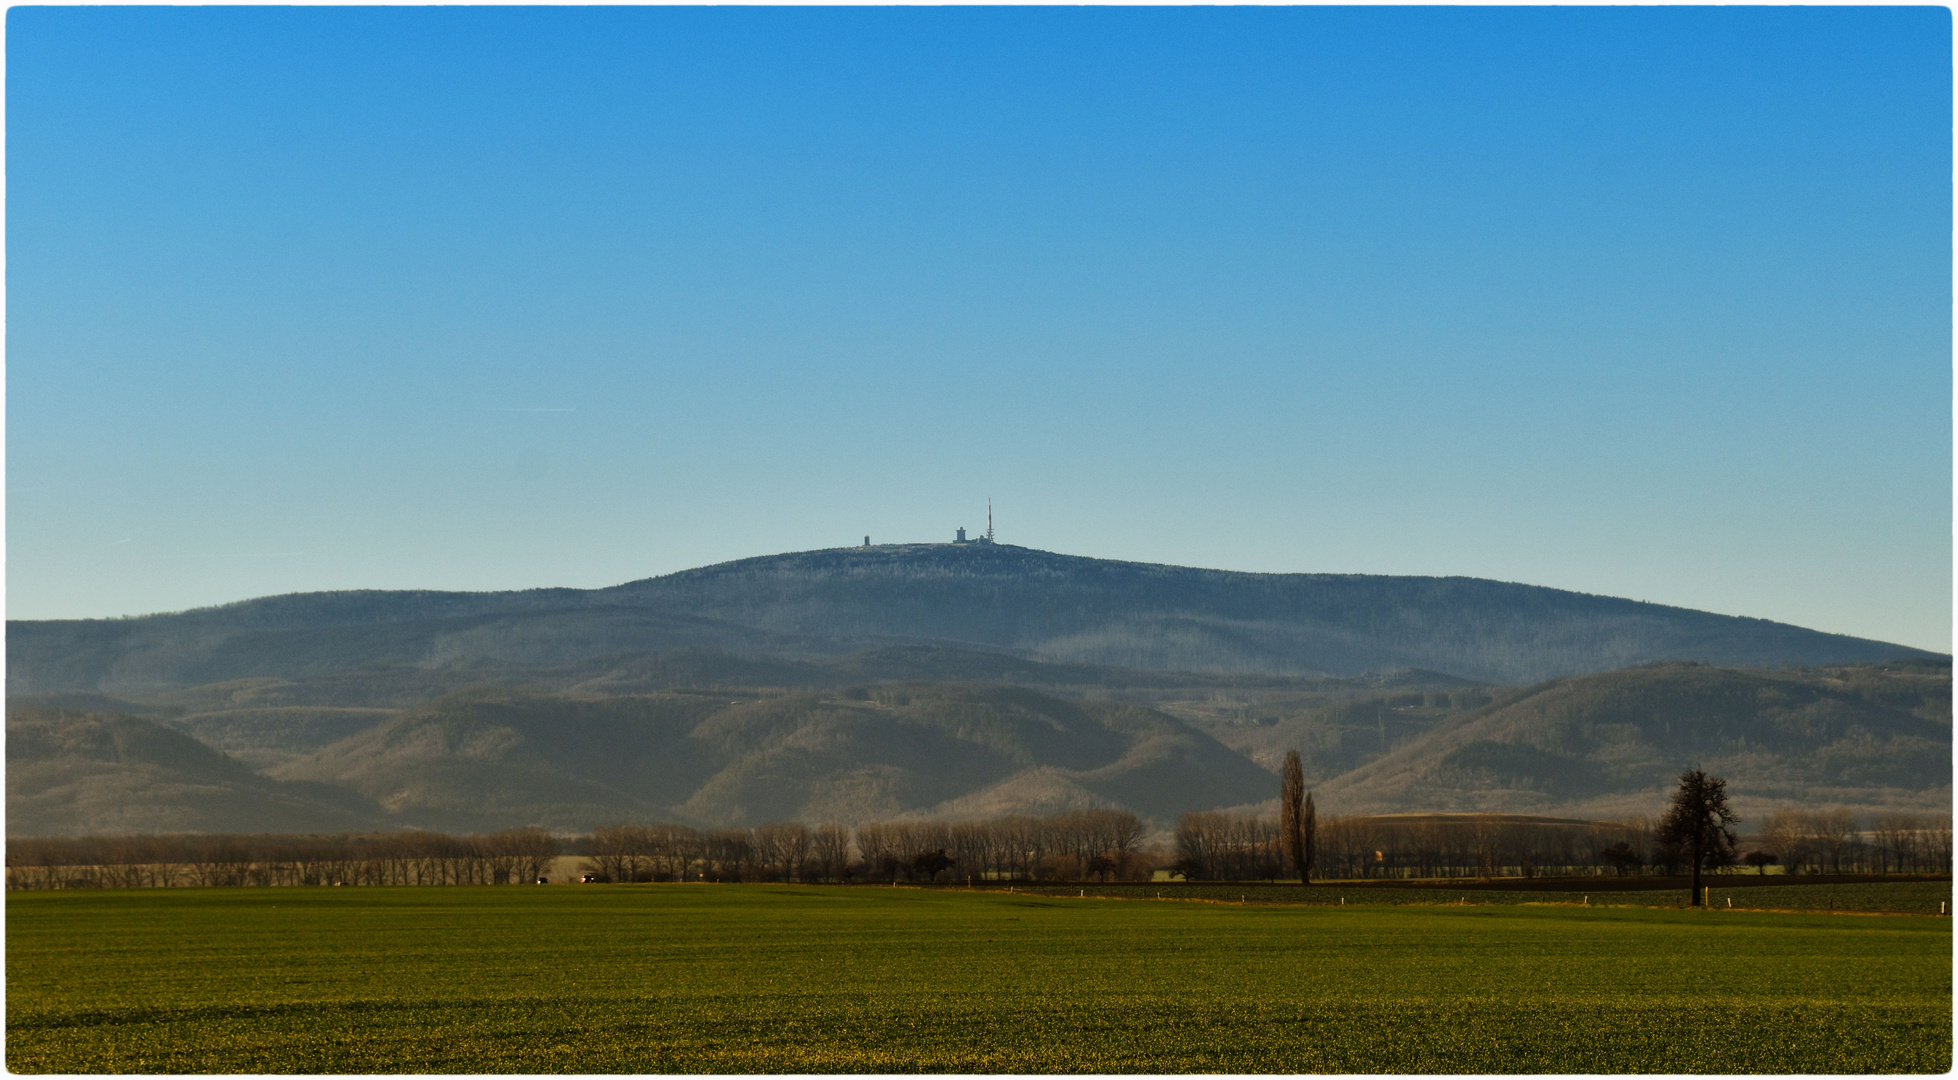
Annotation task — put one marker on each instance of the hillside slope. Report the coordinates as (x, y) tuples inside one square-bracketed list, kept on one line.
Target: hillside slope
[(475, 759), (996, 598), (1616, 742), (75, 773), (569, 757), (267, 720)]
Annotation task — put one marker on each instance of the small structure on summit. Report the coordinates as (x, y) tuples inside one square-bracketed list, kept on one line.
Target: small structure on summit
[(986, 539)]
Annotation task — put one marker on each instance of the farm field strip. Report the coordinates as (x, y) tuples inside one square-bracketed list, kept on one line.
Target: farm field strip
[(1902, 897), (658, 978)]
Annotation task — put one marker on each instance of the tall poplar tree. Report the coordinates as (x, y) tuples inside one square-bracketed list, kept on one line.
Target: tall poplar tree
[(1308, 840), (1297, 817)]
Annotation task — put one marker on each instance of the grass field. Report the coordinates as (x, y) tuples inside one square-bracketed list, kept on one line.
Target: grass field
[(689, 978)]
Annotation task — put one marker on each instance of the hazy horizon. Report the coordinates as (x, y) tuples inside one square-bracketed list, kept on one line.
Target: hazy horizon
[(1648, 303)]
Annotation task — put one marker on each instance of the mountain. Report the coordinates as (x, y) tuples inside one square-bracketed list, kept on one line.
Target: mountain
[(1614, 743), (77, 773), (956, 680), (993, 598)]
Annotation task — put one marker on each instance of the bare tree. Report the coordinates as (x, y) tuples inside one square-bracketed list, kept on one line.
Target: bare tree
[(729, 854), (1894, 836), (877, 843), (616, 852), (831, 845), (782, 847), (1196, 847), (1787, 834), (1836, 834), (530, 851)]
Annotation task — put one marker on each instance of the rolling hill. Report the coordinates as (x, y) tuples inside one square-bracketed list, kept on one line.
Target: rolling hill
[(481, 759), (1614, 743), (77, 773), (943, 680), (992, 598), (559, 754)]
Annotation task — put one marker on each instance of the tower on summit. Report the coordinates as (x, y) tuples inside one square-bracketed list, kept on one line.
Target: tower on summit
[(960, 537)]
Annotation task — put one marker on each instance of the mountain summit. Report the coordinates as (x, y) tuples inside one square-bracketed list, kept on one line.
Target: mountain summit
[(994, 597)]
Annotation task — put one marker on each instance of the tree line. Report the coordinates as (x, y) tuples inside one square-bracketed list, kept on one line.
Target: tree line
[(1108, 845), (1834, 841), (1069, 846), (1216, 846), (408, 858)]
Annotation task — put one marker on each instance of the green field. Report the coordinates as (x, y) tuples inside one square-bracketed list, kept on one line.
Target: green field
[(688, 978)]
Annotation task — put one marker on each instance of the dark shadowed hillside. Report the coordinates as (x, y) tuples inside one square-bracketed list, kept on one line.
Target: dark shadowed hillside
[(996, 598)]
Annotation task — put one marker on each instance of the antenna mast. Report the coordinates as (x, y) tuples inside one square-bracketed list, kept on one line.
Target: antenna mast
[(989, 521)]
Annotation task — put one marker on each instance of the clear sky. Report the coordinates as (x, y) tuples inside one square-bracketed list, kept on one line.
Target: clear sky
[(1651, 302)]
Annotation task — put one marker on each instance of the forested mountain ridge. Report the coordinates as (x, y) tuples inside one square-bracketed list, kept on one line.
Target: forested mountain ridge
[(999, 598)]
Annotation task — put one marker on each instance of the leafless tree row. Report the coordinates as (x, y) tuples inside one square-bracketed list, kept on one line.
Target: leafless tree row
[(782, 852), (1832, 840), (1467, 845), (1063, 846), (417, 858), (1068, 847), (1213, 846)]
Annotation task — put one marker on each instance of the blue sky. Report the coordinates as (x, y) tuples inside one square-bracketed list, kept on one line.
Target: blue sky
[(1648, 302)]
